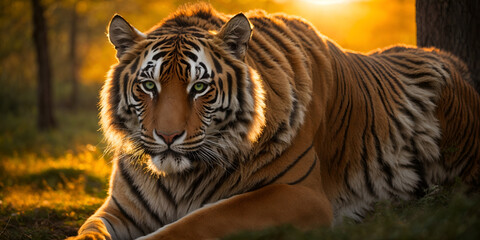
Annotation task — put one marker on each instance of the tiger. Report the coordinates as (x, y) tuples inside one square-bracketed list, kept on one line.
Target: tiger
[(225, 123)]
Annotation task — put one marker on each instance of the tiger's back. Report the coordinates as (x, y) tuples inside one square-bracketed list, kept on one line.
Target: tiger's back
[(394, 127)]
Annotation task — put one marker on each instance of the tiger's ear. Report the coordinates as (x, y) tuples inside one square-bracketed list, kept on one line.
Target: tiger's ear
[(123, 35), (236, 33)]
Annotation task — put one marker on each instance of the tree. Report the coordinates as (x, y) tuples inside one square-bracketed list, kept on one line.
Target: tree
[(46, 119), (73, 102), (451, 25)]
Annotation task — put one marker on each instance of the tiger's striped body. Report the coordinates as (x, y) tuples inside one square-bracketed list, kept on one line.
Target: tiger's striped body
[(393, 133), (292, 129)]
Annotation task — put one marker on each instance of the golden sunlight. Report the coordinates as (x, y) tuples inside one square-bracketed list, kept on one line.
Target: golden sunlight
[(330, 2)]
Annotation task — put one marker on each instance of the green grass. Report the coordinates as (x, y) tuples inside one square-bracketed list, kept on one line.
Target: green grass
[(50, 182)]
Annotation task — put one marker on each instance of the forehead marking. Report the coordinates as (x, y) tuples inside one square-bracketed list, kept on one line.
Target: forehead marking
[(186, 57), (200, 67), (150, 68)]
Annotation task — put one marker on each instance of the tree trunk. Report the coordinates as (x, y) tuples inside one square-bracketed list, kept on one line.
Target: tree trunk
[(73, 102), (454, 26), (45, 103)]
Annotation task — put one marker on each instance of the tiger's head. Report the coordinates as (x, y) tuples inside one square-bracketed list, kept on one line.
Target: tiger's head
[(182, 94)]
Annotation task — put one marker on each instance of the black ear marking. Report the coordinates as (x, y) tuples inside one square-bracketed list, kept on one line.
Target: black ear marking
[(122, 35), (236, 34)]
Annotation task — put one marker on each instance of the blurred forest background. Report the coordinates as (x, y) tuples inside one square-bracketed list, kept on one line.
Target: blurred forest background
[(52, 180)]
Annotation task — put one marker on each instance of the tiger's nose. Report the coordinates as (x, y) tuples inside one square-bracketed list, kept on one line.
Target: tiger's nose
[(169, 138)]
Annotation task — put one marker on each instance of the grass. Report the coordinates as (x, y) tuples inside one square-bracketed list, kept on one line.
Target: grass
[(50, 182)]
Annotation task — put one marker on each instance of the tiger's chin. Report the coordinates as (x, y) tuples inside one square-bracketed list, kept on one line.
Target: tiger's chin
[(166, 164)]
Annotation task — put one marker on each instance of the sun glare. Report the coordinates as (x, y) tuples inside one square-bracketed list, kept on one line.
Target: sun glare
[(331, 2)]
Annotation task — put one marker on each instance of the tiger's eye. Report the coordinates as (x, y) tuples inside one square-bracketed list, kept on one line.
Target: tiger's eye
[(199, 86), (149, 85)]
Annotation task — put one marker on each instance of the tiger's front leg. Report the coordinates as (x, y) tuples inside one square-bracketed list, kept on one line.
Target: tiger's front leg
[(269, 206), (108, 223)]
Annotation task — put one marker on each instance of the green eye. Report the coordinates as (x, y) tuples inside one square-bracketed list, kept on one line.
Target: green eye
[(198, 87), (149, 85)]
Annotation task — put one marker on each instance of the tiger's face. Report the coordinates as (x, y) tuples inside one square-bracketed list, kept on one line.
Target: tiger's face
[(176, 98), (181, 92)]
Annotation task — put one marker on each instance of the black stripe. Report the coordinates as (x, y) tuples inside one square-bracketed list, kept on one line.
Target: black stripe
[(410, 97), (282, 42), (349, 110), (393, 80), (162, 70), (467, 152), (190, 55), (217, 65), (113, 226), (260, 57), (229, 85), (167, 193), (381, 82), (364, 155), (134, 65), (290, 166), (220, 182), (134, 189), (281, 129), (128, 216), (220, 90), (115, 96), (125, 86), (257, 185), (382, 94), (161, 42), (266, 25), (194, 186), (148, 45), (159, 55), (342, 93), (379, 154), (391, 115), (388, 72), (191, 44), (468, 168), (360, 216), (240, 86), (264, 182), (306, 174), (205, 71)]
